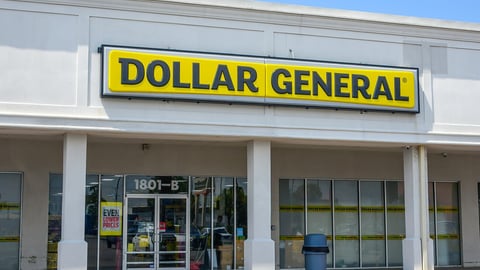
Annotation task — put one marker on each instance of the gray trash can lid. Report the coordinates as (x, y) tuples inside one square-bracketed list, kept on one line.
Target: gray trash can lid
[(315, 240)]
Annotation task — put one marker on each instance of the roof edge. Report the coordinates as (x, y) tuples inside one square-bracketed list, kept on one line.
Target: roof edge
[(288, 9)]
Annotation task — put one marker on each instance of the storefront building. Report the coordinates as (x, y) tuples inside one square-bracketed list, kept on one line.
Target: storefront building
[(215, 135)]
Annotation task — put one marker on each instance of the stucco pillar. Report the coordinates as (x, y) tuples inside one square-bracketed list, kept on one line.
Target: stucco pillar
[(72, 249), (417, 245), (259, 247)]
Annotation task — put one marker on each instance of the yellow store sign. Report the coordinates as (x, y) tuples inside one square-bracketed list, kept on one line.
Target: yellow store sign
[(168, 74)]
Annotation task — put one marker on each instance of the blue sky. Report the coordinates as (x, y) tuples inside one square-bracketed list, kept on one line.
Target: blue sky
[(456, 10)]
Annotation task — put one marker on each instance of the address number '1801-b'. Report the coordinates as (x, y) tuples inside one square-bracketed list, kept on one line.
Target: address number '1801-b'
[(156, 185)]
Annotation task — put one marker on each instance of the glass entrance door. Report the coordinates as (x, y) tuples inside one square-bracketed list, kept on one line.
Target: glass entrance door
[(156, 232)]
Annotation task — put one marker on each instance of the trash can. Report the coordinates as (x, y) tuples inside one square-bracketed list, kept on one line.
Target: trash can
[(315, 250)]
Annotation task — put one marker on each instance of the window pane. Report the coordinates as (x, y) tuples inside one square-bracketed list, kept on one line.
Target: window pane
[(242, 221), (346, 224), (395, 221), (111, 244), (10, 209), (431, 217), (226, 218), (198, 241), (319, 211), (91, 219), (202, 254), (292, 200), (54, 218), (373, 224), (448, 229), (200, 210), (223, 225)]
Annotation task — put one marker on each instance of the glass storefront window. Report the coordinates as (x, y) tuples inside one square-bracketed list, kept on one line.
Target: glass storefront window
[(241, 231), (210, 199), (372, 215), (110, 241), (223, 234), (292, 226), (200, 215), (346, 224), (54, 218), (91, 219), (219, 217), (365, 228), (365, 235), (10, 212), (319, 211), (431, 217), (395, 203), (447, 225)]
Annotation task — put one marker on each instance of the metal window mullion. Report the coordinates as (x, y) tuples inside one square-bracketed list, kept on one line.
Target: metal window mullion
[(188, 221), (359, 227), (305, 205), (334, 233), (459, 220), (211, 219), (435, 219), (20, 230), (156, 230), (99, 196), (385, 223), (125, 225), (234, 223)]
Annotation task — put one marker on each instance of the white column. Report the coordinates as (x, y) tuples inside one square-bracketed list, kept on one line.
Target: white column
[(259, 247), (72, 249), (417, 246)]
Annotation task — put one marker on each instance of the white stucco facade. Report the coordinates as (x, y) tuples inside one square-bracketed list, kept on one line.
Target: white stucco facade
[(53, 118)]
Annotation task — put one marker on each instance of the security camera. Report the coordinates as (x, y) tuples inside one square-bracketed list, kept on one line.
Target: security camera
[(444, 154)]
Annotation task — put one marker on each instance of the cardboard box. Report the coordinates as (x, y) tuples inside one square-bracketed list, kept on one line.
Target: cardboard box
[(225, 254)]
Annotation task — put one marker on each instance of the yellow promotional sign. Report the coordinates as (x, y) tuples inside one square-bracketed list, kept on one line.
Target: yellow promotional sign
[(170, 74), (111, 219)]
